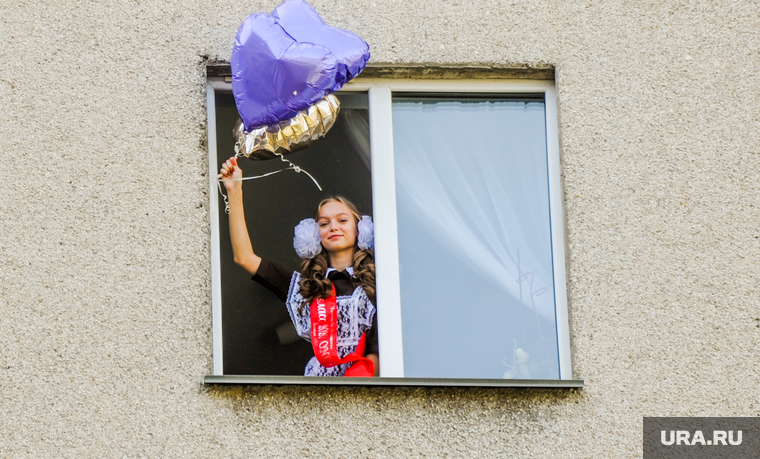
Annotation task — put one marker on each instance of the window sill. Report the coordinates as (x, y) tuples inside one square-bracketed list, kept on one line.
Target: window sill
[(417, 382)]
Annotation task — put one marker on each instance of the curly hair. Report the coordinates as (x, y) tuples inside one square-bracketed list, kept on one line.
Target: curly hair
[(314, 284)]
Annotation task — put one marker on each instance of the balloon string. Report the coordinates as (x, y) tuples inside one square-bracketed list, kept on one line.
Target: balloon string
[(292, 167), (297, 169)]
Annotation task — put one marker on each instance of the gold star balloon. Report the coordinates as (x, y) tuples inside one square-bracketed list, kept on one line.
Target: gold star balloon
[(296, 133)]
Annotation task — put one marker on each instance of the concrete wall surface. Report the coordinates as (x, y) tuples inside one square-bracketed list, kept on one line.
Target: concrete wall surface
[(105, 299)]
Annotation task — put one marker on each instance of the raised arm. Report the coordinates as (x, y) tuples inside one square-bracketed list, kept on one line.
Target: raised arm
[(241, 241)]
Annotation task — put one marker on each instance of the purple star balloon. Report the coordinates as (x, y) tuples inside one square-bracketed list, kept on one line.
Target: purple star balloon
[(304, 24), (284, 62)]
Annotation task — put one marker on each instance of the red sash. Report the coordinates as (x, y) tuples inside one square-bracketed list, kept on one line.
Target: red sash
[(324, 339)]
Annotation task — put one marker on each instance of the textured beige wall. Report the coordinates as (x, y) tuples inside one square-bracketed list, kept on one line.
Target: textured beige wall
[(104, 243)]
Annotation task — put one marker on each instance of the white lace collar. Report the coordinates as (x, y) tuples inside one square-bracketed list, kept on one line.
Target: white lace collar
[(349, 270)]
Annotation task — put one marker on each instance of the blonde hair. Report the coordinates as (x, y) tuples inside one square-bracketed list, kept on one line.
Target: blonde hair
[(314, 283)]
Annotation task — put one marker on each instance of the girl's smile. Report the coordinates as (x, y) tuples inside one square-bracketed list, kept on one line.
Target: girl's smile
[(337, 227)]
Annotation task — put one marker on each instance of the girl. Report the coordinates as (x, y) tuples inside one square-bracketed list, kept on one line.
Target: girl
[(332, 299)]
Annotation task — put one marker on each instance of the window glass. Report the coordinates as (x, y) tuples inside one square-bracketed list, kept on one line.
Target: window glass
[(462, 186), (475, 249)]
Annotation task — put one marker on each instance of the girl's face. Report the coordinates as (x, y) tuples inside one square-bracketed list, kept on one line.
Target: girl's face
[(337, 227)]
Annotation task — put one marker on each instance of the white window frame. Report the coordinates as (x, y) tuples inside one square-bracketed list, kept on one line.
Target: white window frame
[(380, 92)]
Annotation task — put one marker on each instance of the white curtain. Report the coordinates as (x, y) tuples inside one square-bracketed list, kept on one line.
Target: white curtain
[(356, 125), (481, 191)]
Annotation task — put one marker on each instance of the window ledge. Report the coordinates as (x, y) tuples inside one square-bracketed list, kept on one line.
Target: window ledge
[(220, 69), (418, 382)]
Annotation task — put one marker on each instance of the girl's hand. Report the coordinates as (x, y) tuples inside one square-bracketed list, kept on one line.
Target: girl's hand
[(231, 170)]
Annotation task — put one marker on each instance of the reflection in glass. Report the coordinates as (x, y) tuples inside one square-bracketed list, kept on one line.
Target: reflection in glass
[(477, 290)]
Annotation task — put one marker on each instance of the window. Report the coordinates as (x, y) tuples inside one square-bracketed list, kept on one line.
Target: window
[(463, 183)]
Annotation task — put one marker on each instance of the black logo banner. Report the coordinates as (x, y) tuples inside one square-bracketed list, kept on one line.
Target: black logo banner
[(701, 438)]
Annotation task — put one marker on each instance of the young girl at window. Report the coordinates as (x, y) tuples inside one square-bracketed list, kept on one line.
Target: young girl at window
[(332, 299)]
